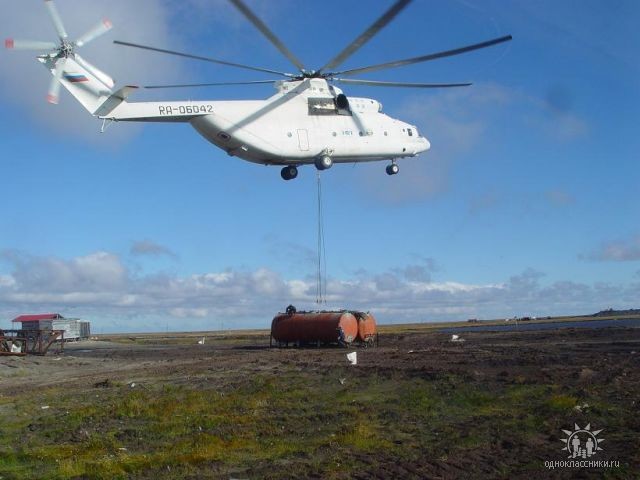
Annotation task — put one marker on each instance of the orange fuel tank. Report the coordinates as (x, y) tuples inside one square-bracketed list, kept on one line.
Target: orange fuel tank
[(314, 327), (367, 328)]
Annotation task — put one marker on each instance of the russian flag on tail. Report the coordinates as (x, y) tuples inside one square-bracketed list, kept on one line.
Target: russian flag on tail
[(76, 78)]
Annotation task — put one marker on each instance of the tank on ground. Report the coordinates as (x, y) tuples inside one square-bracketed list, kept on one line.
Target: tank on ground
[(314, 327), (367, 329)]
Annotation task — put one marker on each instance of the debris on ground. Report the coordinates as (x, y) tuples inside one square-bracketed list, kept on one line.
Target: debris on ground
[(353, 358)]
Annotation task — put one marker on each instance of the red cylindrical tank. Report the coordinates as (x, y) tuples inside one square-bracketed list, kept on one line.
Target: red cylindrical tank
[(367, 329), (314, 327)]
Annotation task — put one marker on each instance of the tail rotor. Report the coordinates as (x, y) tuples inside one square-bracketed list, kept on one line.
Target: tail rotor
[(56, 54)]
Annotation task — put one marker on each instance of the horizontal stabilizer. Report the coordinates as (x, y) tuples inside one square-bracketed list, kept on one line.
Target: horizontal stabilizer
[(114, 100)]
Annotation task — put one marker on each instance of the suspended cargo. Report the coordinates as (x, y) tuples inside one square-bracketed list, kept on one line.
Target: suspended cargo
[(314, 328), (367, 329)]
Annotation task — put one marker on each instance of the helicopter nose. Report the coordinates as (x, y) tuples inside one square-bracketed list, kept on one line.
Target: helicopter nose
[(425, 144)]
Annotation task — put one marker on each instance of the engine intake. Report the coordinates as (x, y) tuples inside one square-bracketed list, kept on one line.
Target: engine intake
[(342, 102)]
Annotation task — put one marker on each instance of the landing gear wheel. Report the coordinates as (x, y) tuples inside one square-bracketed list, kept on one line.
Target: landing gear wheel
[(392, 169), (289, 172), (324, 162)]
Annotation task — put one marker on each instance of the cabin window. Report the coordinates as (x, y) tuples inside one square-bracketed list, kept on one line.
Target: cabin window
[(386, 134), (322, 106)]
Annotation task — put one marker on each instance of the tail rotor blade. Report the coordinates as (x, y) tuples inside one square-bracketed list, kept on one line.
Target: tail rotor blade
[(100, 29), (54, 87), (55, 18), (95, 71), (10, 43)]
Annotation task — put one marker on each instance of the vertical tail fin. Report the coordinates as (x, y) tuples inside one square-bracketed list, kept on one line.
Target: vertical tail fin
[(83, 84)]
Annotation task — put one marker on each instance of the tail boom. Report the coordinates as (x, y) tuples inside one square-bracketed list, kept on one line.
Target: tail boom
[(101, 101)]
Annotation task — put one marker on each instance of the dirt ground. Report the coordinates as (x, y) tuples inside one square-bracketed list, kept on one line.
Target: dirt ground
[(492, 406)]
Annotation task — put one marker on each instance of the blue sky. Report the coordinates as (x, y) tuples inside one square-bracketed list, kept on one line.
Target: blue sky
[(526, 203)]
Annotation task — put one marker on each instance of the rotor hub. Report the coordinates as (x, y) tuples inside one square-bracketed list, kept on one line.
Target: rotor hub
[(66, 49)]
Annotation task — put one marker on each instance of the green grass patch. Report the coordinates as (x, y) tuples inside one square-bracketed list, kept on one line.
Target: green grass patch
[(303, 422)]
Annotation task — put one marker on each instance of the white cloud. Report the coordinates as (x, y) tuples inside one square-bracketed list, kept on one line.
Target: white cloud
[(559, 198), (96, 272), (189, 312), (150, 248), (6, 281), (101, 288), (622, 250)]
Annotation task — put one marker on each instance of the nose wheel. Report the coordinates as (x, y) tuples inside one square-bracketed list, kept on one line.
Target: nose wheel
[(289, 172), (392, 169)]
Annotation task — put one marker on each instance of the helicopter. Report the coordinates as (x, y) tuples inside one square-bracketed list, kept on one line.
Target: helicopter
[(308, 121)]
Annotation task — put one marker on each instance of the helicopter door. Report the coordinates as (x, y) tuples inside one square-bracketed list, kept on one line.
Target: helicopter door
[(303, 140)]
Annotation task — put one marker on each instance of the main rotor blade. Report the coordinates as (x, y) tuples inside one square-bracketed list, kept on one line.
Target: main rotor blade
[(425, 58), (205, 59), (375, 83), (260, 25), (95, 71), (367, 35), (29, 45), (100, 29), (211, 84), (54, 87), (55, 18)]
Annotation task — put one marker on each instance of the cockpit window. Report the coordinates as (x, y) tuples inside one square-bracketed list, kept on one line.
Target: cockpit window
[(410, 132)]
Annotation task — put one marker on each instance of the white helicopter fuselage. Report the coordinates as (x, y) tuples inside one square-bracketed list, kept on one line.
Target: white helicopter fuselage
[(307, 121), (296, 126)]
